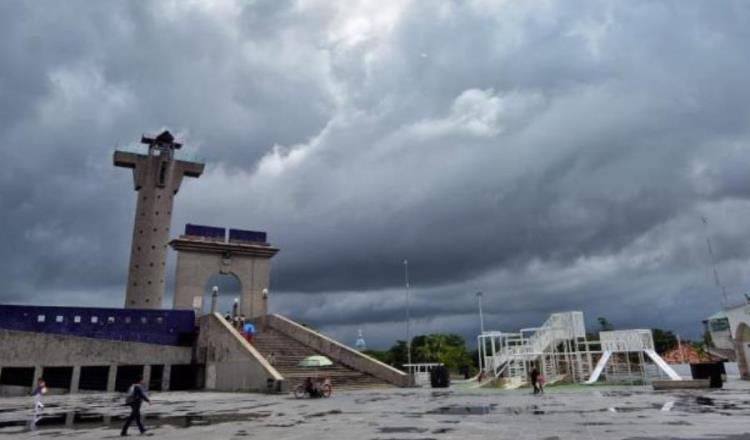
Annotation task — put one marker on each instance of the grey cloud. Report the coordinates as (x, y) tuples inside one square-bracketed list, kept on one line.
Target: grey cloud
[(555, 155)]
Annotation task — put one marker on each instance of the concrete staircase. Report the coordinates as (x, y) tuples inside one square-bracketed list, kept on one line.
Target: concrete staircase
[(288, 352)]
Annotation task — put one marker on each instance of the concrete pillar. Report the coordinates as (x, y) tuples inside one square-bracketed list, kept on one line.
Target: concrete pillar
[(112, 378), (192, 273), (146, 374), (37, 374), (209, 382), (165, 376), (76, 379)]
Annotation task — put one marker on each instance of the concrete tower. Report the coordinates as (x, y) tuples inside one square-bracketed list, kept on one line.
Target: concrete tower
[(156, 177)]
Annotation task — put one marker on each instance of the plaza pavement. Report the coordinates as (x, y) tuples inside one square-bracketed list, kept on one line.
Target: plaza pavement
[(566, 412)]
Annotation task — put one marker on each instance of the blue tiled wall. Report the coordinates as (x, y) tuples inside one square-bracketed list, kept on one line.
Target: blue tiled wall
[(165, 327)]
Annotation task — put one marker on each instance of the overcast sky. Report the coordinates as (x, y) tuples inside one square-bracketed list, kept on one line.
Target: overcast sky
[(554, 155)]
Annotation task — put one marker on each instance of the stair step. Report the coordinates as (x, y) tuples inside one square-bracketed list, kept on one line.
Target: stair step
[(287, 354)]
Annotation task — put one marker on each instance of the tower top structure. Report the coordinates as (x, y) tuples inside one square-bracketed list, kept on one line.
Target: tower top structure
[(165, 140)]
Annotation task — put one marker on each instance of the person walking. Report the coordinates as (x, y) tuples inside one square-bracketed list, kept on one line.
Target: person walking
[(540, 383), (39, 391), (248, 331), (136, 396), (534, 376), (271, 358)]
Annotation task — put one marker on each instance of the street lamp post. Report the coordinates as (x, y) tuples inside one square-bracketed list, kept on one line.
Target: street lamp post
[(214, 298), (481, 317), (480, 347), (265, 309), (408, 315)]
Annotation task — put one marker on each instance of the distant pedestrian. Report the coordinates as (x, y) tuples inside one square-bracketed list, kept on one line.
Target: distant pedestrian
[(242, 321), (271, 358), (39, 391), (136, 396), (534, 376), (540, 383), (248, 331)]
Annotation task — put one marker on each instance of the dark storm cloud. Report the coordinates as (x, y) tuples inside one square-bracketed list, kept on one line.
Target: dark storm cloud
[(555, 155)]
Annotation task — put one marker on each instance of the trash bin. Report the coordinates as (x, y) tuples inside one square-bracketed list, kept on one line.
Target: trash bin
[(440, 377), (709, 370)]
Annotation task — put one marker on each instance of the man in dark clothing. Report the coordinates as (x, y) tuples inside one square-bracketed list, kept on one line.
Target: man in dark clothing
[(311, 388), (534, 375), (135, 398)]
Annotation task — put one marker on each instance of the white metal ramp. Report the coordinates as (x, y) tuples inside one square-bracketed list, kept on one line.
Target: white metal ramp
[(599, 368), (629, 341), (663, 365)]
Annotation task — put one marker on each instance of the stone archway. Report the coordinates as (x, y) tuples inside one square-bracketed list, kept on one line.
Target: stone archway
[(229, 288), (200, 257), (742, 348)]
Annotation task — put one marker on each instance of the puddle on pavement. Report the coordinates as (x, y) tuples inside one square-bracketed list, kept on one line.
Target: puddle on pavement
[(690, 404), (401, 429), (463, 410), (703, 404), (324, 413), (86, 420)]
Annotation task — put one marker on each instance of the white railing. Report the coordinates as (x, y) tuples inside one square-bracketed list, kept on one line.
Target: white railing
[(515, 348), (626, 340)]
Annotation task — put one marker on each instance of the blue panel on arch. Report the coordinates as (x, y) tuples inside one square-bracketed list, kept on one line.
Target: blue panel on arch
[(248, 236), (205, 231)]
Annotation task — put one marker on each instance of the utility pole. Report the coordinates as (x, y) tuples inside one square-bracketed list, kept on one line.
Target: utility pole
[(408, 314), (679, 348), (724, 300), (481, 317), (480, 346)]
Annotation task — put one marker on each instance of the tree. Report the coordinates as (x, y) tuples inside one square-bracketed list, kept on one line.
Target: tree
[(447, 349), (664, 340), (397, 354), (382, 356), (605, 325)]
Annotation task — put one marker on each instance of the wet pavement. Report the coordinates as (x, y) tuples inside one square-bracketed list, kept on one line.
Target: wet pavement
[(568, 412)]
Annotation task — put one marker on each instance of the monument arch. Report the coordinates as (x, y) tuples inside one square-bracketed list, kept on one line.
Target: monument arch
[(204, 251), (228, 287)]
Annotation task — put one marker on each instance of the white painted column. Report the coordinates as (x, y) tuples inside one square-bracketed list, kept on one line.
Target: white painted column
[(76, 379), (146, 374), (37, 374), (111, 378), (165, 377)]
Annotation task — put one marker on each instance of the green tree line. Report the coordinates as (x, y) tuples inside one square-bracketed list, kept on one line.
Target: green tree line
[(448, 349)]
